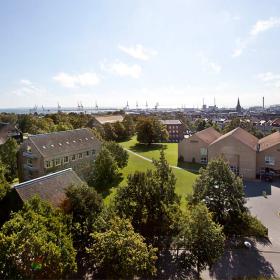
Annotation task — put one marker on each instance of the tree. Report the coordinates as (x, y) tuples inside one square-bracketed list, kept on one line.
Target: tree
[(150, 130), (120, 131), (104, 170), (118, 152), (109, 132), (4, 186), (200, 238), (222, 191), (8, 156), (129, 126), (150, 201), (119, 252), (35, 244)]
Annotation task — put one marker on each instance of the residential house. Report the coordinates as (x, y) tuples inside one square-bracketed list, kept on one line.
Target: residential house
[(175, 128), (45, 153)]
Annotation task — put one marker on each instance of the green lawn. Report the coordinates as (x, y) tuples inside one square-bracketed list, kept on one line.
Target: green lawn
[(185, 178)]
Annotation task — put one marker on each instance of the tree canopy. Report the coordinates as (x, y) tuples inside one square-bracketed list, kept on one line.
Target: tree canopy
[(35, 243), (119, 252)]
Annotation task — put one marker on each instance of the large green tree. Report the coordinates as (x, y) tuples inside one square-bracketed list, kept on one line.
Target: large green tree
[(118, 152), (120, 253), (36, 244), (8, 156), (200, 239), (222, 192), (129, 125), (4, 186), (150, 130), (150, 201), (104, 170)]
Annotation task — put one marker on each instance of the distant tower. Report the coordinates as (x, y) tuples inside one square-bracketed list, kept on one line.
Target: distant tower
[(238, 106), (147, 105), (263, 102)]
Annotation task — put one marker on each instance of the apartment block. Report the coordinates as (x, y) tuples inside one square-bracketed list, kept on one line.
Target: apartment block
[(175, 129), (47, 153)]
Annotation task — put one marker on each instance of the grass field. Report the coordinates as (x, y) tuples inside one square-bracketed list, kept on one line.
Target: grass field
[(185, 178)]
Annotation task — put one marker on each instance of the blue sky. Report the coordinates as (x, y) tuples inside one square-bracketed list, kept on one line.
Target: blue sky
[(110, 52)]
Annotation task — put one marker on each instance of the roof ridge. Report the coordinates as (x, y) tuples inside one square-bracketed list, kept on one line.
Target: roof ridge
[(23, 184), (57, 132)]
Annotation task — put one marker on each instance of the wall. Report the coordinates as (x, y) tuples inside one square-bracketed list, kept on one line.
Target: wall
[(274, 152), (235, 152)]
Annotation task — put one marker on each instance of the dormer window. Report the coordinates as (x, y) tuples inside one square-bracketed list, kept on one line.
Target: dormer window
[(52, 145)]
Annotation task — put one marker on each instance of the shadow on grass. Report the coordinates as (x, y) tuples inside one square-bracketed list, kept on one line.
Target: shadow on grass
[(140, 148), (191, 167)]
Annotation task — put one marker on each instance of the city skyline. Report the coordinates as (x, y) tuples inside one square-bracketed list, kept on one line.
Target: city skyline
[(174, 53)]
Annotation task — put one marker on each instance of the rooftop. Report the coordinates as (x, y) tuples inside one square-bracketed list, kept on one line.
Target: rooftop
[(171, 122), (269, 141), (50, 187), (208, 135), (59, 143), (109, 119)]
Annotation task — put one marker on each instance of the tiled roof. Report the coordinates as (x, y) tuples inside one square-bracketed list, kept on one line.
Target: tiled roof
[(241, 135), (171, 122), (50, 188), (276, 122), (208, 135), (65, 142), (269, 141), (109, 119)]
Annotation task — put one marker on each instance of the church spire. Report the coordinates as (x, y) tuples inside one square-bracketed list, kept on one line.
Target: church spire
[(238, 106)]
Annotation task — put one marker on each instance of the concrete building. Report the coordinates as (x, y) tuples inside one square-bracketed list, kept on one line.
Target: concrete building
[(50, 188), (195, 147), (175, 129), (246, 155), (45, 153)]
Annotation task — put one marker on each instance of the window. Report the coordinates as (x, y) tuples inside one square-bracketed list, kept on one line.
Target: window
[(203, 155), (66, 159), (29, 162), (80, 155), (73, 157), (93, 152), (269, 160), (87, 153), (47, 164), (57, 161)]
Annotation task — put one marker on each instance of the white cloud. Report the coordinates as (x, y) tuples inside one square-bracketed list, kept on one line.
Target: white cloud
[(28, 89), (270, 79), (264, 25), (259, 27), (78, 80), (208, 64), (123, 70), (138, 52)]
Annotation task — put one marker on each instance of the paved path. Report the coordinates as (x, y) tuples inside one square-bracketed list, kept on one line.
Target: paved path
[(150, 160)]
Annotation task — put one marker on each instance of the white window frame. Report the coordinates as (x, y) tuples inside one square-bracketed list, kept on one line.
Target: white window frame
[(269, 160), (57, 161), (64, 159)]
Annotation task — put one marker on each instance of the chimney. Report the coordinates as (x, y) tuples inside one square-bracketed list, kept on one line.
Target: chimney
[(263, 101)]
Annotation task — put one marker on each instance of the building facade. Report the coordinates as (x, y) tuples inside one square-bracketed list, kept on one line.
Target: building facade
[(195, 147), (247, 156), (46, 153), (175, 129)]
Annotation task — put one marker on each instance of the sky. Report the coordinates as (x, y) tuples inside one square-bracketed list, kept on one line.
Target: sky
[(171, 52)]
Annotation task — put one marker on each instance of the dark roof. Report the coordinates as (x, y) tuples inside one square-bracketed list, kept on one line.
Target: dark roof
[(50, 188), (60, 143), (208, 135), (269, 141), (171, 122), (243, 136)]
